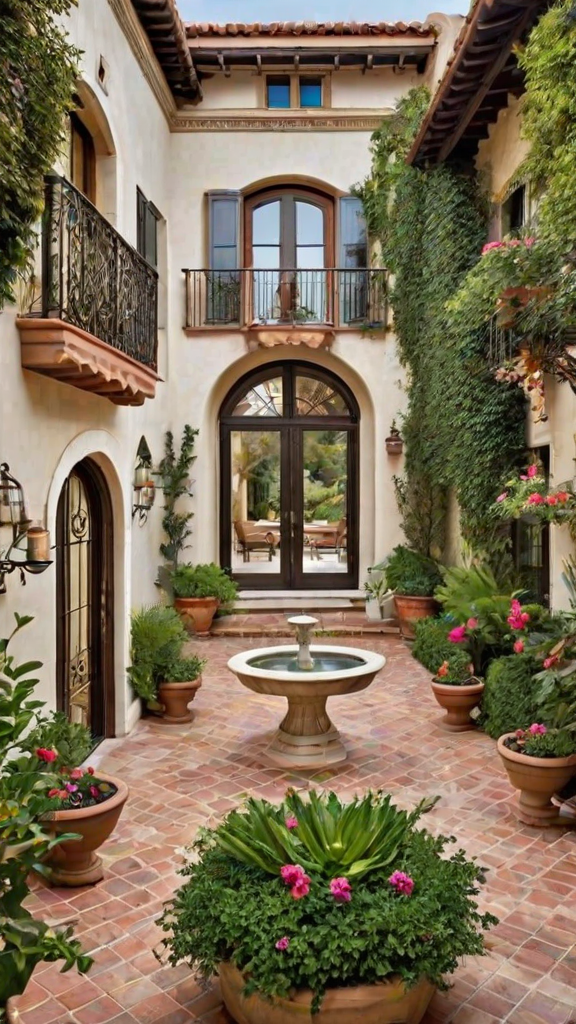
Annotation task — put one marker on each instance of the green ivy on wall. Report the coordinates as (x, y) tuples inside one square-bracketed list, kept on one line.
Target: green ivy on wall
[(38, 70), (462, 430)]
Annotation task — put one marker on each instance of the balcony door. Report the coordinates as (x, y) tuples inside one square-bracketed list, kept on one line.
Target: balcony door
[(289, 500), (289, 246)]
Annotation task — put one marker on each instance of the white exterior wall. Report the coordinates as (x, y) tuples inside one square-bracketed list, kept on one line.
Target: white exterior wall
[(46, 427)]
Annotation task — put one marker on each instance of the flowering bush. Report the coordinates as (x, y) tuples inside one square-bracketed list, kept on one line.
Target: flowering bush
[(540, 741), (455, 673), (529, 494), (491, 632), (381, 898)]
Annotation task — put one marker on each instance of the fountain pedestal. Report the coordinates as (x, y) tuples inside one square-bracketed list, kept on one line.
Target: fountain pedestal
[(306, 676)]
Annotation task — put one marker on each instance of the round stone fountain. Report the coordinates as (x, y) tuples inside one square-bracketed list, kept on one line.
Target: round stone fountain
[(306, 675)]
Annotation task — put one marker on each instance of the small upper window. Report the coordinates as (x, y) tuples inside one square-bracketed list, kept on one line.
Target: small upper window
[(278, 91), (310, 92), (514, 211), (147, 229)]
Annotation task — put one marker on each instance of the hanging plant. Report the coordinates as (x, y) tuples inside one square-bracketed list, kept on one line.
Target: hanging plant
[(529, 496)]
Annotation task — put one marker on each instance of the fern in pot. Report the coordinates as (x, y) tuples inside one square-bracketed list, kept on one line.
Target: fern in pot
[(165, 680)]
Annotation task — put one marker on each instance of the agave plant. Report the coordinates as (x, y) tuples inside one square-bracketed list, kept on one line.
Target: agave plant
[(323, 835)]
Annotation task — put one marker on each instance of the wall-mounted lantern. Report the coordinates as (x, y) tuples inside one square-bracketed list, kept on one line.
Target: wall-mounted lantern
[(144, 486), (35, 558), (394, 443)]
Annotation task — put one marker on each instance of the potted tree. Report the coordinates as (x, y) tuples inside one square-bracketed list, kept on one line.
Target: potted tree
[(159, 674), (413, 577), (458, 691), (24, 843), (299, 908), (199, 590)]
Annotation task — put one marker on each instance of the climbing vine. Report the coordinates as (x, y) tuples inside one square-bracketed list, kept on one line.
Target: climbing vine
[(462, 430), (38, 69)]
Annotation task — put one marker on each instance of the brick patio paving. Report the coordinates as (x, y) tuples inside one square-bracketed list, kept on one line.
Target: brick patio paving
[(182, 777)]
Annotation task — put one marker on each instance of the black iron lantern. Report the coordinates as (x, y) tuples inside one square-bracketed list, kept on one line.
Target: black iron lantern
[(13, 516), (12, 505), (143, 483)]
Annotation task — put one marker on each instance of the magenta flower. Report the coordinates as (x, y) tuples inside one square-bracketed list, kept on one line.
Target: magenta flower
[(300, 888), (457, 635), (291, 873), (94, 791), (291, 822), (402, 883), (537, 730), (70, 788), (503, 496), (532, 471), (283, 943), (341, 890)]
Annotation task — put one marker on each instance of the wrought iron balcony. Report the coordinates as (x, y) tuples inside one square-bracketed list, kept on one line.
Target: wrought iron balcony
[(311, 298), (97, 292)]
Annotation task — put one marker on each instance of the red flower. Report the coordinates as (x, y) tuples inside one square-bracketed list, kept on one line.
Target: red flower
[(46, 755), (551, 499), (562, 495), (535, 499), (519, 646), (443, 670), (549, 662), (90, 771)]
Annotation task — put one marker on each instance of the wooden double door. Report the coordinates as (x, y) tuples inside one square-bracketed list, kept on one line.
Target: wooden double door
[(289, 472)]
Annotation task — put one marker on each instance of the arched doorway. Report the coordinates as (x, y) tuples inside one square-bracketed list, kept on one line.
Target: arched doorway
[(84, 641), (289, 474)]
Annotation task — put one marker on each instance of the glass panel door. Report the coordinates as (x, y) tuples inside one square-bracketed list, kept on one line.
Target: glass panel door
[(255, 481), (324, 483)]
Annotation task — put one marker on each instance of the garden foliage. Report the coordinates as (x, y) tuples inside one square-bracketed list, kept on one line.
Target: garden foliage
[(509, 698)]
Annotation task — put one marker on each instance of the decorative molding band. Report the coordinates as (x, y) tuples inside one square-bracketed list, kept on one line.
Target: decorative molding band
[(139, 44), (225, 121)]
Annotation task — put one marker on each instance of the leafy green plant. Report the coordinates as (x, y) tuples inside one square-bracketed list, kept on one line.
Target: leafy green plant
[(552, 743), (39, 72), (24, 804), (174, 472), (432, 648), (184, 670), (207, 580), (71, 740), (509, 698), (375, 897), (158, 637), (469, 591), (409, 572)]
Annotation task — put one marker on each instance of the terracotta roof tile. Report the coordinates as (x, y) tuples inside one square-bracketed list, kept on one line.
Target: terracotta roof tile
[(312, 28)]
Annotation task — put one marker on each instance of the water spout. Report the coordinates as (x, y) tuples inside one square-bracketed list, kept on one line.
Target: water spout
[(304, 625)]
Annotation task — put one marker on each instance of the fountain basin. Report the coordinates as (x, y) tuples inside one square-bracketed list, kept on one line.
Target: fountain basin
[(306, 738)]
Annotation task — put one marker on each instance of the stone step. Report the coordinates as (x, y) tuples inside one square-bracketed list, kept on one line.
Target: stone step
[(312, 601), (269, 624)]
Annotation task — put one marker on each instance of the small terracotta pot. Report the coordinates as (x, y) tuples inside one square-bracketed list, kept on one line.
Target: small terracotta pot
[(197, 613), (410, 609), (387, 1003), (75, 862), (458, 702), (394, 445), (176, 697), (538, 779)]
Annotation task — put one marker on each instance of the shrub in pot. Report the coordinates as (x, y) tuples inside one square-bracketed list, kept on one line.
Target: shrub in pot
[(509, 698), (158, 673), (24, 843), (431, 645), (321, 911), (199, 590), (458, 691), (413, 577)]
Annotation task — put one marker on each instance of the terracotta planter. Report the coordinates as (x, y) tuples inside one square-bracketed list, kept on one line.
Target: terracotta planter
[(538, 779), (410, 609), (75, 862), (176, 697), (388, 1003), (197, 613), (12, 1015), (394, 445), (458, 702)]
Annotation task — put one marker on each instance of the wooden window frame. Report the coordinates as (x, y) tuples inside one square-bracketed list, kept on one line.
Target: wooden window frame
[(148, 207), (310, 195), (295, 76)]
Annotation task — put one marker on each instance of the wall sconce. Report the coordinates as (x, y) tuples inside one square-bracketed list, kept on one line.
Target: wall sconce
[(13, 516), (144, 486), (394, 443)]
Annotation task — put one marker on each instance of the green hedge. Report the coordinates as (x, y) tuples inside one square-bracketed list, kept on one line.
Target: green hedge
[(508, 699), (431, 646)]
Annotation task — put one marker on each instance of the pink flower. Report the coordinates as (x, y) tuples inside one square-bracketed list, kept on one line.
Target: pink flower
[(528, 242), (491, 245), (537, 730), (283, 943), (291, 822), (291, 873), (472, 623), (300, 888), (70, 788), (519, 646), (551, 499), (517, 618), (535, 499), (457, 635), (402, 883), (519, 734), (532, 471), (94, 791), (53, 792), (341, 890), (76, 774), (549, 662), (46, 755), (503, 496)]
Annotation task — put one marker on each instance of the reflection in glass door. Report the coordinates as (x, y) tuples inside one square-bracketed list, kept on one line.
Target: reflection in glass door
[(289, 440)]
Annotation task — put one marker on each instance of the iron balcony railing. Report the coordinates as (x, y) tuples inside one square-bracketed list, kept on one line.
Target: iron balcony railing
[(247, 297), (92, 277)]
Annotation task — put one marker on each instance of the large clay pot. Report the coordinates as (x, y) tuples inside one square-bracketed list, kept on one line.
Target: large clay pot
[(538, 779), (411, 609), (12, 1015), (176, 697), (75, 862), (197, 613), (387, 1003), (458, 702)]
